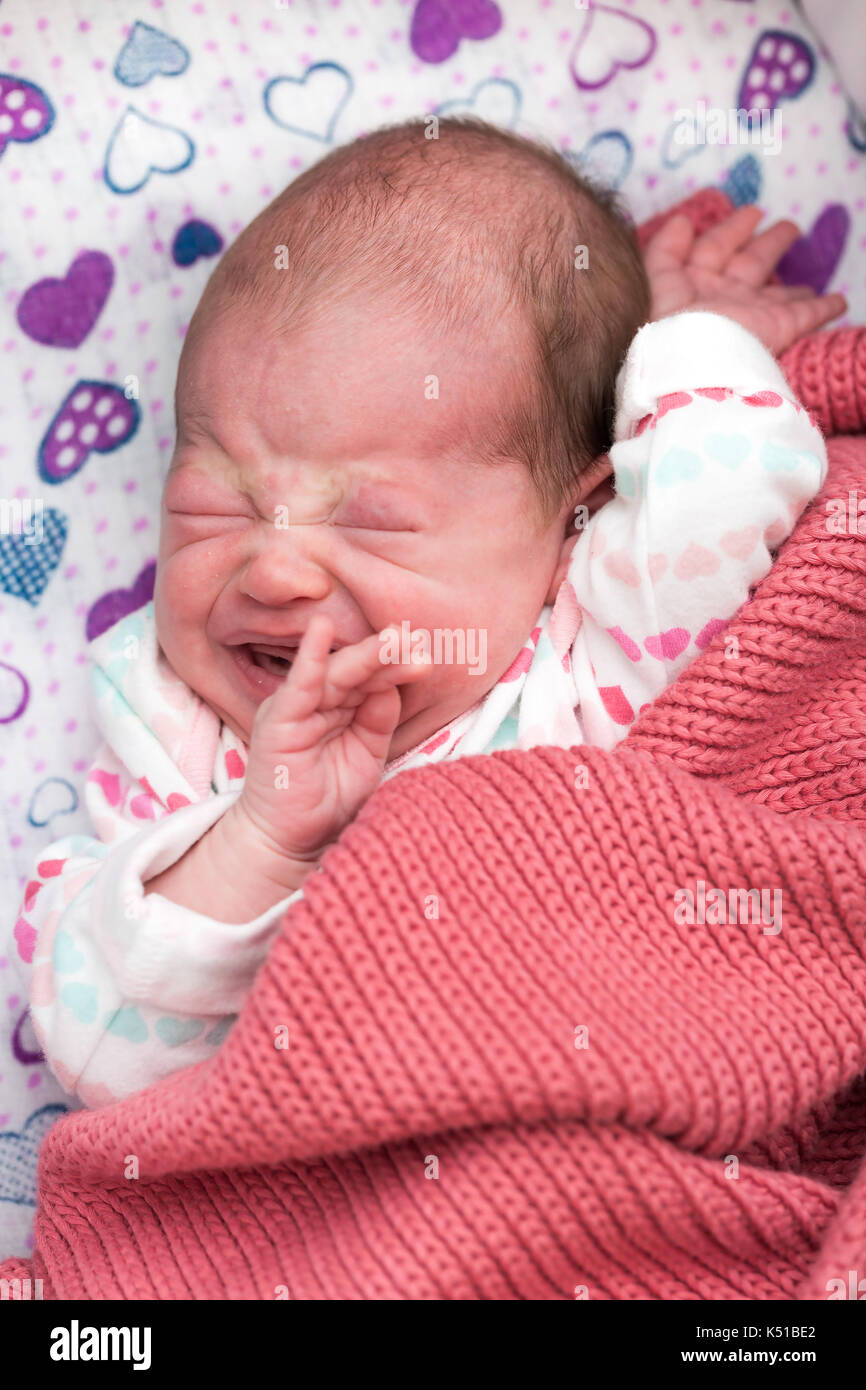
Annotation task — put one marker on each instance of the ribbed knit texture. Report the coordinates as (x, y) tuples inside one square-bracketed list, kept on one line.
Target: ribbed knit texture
[(415, 1037)]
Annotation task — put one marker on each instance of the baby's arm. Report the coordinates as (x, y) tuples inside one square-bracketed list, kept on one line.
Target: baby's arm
[(127, 988), (142, 945), (714, 461)]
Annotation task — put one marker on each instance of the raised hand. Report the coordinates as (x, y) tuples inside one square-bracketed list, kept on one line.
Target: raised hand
[(319, 744), (726, 270)]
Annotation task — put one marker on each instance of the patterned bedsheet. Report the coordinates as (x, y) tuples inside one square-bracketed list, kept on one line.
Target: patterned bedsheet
[(136, 139)]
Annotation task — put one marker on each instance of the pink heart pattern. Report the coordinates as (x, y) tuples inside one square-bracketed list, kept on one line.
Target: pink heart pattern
[(565, 621), (696, 562), (666, 646), (234, 764), (740, 544), (620, 565), (631, 649), (25, 939), (614, 700), (707, 633), (110, 784)]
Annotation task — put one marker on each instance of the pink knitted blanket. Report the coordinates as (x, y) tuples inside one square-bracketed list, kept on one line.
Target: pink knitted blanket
[(512, 1069)]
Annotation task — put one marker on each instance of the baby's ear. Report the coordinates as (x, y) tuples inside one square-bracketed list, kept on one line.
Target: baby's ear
[(595, 489), (596, 485), (562, 564)]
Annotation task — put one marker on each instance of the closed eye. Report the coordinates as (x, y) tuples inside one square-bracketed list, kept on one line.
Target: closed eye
[(394, 530), (374, 521), (199, 514)]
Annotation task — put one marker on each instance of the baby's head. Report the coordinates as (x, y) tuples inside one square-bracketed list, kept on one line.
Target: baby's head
[(393, 394)]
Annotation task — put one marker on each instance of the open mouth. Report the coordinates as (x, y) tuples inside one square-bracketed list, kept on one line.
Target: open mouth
[(267, 661), (265, 667)]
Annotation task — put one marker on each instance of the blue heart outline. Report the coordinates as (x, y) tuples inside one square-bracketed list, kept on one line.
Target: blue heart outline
[(152, 168), (473, 95), (582, 162), (326, 139), (22, 1139), (40, 824)]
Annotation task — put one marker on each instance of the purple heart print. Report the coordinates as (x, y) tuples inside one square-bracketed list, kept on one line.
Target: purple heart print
[(61, 313)]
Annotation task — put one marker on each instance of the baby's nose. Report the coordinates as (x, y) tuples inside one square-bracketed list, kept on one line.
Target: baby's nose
[(282, 571)]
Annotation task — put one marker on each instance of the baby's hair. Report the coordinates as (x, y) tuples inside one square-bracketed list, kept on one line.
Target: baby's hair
[(473, 224)]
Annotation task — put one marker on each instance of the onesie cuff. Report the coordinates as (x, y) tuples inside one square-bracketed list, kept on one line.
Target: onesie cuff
[(171, 956), (686, 351)]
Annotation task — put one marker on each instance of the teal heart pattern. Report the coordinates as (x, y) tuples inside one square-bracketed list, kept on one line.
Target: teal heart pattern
[(678, 466), (220, 1031), (82, 1000), (727, 449), (66, 956), (127, 1023), (777, 459), (176, 1031), (625, 482)]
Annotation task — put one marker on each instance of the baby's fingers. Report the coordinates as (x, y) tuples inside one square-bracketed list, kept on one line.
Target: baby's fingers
[(669, 247), (302, 692), (756, 262), (376, 719), (807, 315), (365, 665), (714, 248)]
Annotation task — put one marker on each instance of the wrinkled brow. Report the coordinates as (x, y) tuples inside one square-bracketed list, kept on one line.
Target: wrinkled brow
[(192, 418)]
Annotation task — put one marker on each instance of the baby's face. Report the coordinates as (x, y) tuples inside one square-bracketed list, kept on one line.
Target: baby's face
[(313, 474)]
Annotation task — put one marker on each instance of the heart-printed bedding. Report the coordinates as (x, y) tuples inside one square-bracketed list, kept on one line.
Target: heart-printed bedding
[(136, 141)]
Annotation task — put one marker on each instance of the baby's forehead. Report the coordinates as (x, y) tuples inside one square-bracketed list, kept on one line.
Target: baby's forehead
[(358, 374)]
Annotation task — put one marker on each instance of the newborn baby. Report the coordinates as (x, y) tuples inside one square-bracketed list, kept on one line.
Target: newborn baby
[(393, 406)]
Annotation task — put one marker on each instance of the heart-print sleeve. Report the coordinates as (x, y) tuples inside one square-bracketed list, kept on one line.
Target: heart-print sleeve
[(714, 460), (126, 988)]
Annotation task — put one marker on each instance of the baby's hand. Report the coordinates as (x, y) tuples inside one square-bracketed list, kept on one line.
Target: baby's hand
[(319, 744), (726, 270)]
